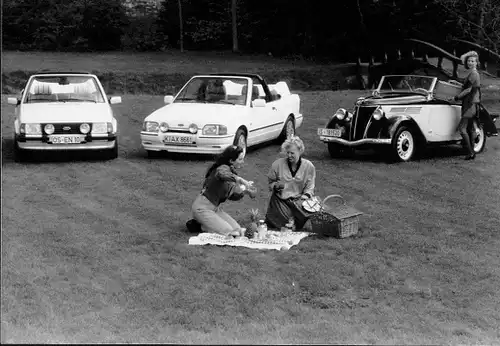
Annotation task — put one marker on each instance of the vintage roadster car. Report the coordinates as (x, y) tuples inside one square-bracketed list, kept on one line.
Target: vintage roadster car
[(214, 111), (404, 114), (64, 111)]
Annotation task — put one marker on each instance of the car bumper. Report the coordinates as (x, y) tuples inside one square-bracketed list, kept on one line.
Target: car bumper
[(299, 119), (375, 141), (94, 145), (204, 145)]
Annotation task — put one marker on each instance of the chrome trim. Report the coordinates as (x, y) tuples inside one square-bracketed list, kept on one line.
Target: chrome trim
[(94, 145), (356, 143), (149, 133)]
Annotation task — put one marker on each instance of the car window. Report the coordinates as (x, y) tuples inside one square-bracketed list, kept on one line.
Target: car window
[(214, 89), (63, 89)]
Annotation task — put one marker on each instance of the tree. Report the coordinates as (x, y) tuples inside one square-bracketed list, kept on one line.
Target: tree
[(181, 26), (234, 25)]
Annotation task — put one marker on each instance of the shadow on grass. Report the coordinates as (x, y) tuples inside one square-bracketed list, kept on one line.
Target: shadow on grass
[(52, 156)]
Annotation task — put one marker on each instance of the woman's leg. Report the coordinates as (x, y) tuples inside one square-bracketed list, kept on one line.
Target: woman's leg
[(226, 217), (278, 212), (204, 212), (463, 129)]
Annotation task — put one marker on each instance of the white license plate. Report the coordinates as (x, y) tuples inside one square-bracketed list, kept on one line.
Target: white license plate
[(178, 140), (67, 139), (330, 132)]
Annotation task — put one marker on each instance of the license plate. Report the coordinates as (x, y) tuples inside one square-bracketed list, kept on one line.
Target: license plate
[(66, 139), (178, 140), (330, 132)]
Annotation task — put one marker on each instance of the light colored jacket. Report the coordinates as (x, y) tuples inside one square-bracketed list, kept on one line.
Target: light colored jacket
[(302, 183)]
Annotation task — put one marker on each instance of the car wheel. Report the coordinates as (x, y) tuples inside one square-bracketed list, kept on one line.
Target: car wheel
[(479, 139), (288, 129), (336, 150), (240, 139), (404, 144)]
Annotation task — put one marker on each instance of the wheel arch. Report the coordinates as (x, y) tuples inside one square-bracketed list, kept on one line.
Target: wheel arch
[(405, 120)]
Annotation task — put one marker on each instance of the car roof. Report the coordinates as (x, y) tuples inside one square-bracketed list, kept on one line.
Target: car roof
[(62, 72), (248, 75)]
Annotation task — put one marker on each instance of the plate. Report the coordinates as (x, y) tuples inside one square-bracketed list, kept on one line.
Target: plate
[(178, 140), (66, 139), (330, 132), (312, 205)]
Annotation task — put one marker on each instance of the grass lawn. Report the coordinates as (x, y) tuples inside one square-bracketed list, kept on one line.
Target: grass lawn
[(97, 251)]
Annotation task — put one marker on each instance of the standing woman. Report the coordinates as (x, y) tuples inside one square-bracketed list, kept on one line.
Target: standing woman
[(471, 98), (222, 183), (291, 180)]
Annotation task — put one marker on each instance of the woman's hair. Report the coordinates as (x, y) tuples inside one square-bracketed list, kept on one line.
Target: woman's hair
[(465, 57), (293, 140), (229, 154)]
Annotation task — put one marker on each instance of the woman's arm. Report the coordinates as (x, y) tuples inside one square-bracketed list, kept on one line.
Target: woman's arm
[(273, 176), (310, 181), (224, 173), (475, 83)]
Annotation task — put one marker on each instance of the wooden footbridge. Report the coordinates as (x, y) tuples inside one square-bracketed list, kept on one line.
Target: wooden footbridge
[(418, 55)]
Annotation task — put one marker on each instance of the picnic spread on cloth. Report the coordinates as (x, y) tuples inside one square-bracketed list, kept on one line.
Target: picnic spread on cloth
[(274, 240)]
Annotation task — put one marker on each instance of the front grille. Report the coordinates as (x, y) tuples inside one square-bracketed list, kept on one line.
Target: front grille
[(360, 120), (74, 128)]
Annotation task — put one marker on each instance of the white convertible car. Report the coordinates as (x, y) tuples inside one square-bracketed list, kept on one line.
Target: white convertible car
[(64, 111), (214, 111)]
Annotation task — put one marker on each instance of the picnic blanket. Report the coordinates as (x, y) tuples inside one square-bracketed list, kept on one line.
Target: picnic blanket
[(274, 240)]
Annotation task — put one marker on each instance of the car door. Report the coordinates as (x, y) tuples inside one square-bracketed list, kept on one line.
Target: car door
[(261, 118), (443, 122)]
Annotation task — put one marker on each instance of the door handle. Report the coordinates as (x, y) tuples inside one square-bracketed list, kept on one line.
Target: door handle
[(274, 108)]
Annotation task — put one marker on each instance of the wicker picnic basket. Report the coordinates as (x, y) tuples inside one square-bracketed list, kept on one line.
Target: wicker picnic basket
[(340, 221)]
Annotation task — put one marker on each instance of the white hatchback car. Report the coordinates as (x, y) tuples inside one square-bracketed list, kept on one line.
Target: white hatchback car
[(64, 111), (214, 111)]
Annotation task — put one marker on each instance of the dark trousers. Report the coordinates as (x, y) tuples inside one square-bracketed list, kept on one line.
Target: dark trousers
[(466, 129)]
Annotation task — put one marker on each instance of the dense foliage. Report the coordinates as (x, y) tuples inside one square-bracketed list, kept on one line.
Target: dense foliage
[(332, 29)]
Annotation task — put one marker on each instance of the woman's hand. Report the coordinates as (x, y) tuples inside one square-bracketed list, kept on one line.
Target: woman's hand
[(278, 186), (304, 197)]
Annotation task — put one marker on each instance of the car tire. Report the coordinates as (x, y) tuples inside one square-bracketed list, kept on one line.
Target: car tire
[(288, 129), (240, 139), (404, 145), (480, 140), (337, 151)]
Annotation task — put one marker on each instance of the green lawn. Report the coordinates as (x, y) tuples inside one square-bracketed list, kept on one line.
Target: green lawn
[(97, 251)]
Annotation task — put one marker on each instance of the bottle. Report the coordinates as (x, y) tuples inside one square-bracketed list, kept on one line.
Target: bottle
[(262, 229)]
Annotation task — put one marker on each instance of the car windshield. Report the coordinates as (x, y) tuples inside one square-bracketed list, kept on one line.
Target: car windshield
[(406, 84), (223, 90), (63, 89)]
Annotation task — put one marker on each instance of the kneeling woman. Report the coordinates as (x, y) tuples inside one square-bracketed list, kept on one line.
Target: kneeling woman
[(221, 183), (291, 180)]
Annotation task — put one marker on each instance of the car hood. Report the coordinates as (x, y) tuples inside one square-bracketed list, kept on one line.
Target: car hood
[(392, 100), (184, 114), (65, 112)]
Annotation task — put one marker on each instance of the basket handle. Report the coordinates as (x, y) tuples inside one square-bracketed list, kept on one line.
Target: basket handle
[(334, 196)]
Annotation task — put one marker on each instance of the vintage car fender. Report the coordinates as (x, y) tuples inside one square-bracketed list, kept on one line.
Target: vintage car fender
[(396, 121)]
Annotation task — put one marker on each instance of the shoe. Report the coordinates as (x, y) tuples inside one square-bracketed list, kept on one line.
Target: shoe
[(193, 226), (470, 157)]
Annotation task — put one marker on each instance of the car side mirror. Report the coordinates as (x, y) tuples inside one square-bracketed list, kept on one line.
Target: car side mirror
[(259, 103), (13, 101), (168, 99), (115, 100)]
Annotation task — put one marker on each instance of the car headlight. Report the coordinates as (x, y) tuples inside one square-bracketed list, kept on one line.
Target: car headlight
[(31, 129), (340, 113), (378, 113), (49, 129), (193, 128), (101, 128), (214, 130), (150, 126), (163, 127), (84, 128)]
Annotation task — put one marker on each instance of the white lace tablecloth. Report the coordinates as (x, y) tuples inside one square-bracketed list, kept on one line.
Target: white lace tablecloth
[(274, 240)]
